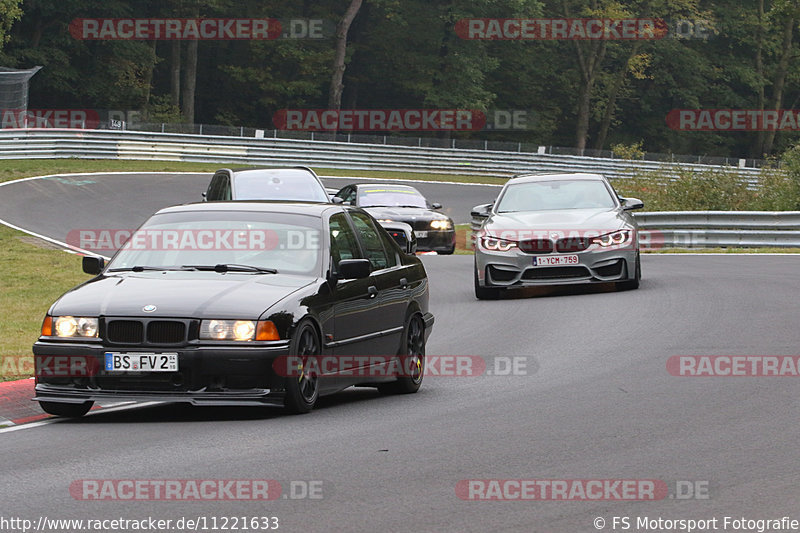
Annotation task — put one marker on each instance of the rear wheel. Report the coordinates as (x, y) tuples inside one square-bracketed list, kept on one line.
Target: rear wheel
[(485, 293), (633, 283), (67, 410), (302, 392), (412, 359)]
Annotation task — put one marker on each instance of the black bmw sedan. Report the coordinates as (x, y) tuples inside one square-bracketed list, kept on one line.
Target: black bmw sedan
[(245, 303), (389, 202)]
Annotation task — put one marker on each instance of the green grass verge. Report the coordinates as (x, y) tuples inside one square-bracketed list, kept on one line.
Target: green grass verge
[(33, 276), (11, 169)]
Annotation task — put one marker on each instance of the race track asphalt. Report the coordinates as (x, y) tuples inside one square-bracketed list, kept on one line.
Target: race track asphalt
[(594, 401)]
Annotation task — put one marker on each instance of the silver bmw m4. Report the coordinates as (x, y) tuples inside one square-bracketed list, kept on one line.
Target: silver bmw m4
[(554, 229)]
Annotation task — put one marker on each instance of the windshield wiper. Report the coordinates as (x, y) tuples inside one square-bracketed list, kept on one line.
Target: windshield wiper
[(142, 268), (230, 267)]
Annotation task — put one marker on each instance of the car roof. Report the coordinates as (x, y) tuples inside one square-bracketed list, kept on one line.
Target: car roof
[(270, 171), (382, 184), (528, 178), (264, 206)]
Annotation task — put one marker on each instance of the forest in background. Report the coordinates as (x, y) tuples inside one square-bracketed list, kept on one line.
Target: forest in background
[(406, 54)]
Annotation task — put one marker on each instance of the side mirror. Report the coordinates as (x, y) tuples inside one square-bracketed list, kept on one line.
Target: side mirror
[(204, 196), (336, 200), (436, 205), (629, 204), (93, 264), (481, 211), (411, 245), (353, 269)]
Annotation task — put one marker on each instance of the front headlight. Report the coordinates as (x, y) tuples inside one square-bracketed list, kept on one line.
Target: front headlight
[(500, 245), (441, 224), (73, 326), (238, 330), (616, 238)]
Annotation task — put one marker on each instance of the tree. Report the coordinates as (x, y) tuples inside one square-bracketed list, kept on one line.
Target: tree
[(10, 12), (335, 95)]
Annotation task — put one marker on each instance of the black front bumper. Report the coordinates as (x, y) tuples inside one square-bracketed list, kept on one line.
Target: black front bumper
[(437, 241), (207, 375)]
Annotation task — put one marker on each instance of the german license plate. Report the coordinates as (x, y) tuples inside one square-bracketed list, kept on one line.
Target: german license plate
[(141, 362), (421, 234), (556, 260)]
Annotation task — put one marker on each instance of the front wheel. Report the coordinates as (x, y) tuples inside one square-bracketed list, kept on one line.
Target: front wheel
[(67, 410), (302, 391), (412, 359)]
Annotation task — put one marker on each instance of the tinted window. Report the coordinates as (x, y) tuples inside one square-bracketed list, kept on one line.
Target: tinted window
[(348, 195), (373, 244), (215, 188), (226, 188), (556, 194), (343, 240), (388, 245), (281, 184)]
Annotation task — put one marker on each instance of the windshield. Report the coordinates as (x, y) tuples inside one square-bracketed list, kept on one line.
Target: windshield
[(288, 243), (393, 196), (550, 195), (285, 184)]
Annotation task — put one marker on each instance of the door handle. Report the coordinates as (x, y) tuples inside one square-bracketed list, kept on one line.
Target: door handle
[(372, 290), (403, 283)]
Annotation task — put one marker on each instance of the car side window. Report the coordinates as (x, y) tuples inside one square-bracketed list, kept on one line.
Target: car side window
[(214, 188), (220, 188), (343, 240), (226, 188), (373, 244), (388, 245), (348, 195)]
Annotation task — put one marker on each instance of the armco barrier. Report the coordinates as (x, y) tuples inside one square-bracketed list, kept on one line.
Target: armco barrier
[(713, 229), (112, 144)]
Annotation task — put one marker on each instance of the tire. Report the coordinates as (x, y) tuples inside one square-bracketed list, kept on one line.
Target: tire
[(302, 392), (412, 358), (449, 251), (67, 410), (485, 293), (632, 284)]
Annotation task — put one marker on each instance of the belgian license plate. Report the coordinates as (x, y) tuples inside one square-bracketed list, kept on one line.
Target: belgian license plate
[(141, 362), (421, 234), (556, 260)]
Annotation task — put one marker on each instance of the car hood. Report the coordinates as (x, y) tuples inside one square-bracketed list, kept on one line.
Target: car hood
[(179, 294), (403, 214), (596, 220)]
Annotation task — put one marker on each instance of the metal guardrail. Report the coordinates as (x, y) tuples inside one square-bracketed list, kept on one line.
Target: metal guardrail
[(710, 229), (111, 144)]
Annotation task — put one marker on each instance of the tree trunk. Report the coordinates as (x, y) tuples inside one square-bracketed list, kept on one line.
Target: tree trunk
[(758, 150), (175, 73), (611, 105), (190, 81), (780, 77), (589, 60), (335, 94), (148, 77), (588, 63)]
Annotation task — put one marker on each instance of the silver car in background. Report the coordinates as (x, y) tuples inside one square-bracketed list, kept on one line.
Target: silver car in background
[(554, 229)]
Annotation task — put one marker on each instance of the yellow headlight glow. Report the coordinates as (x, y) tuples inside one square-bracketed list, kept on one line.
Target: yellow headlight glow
[(66, 326)]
